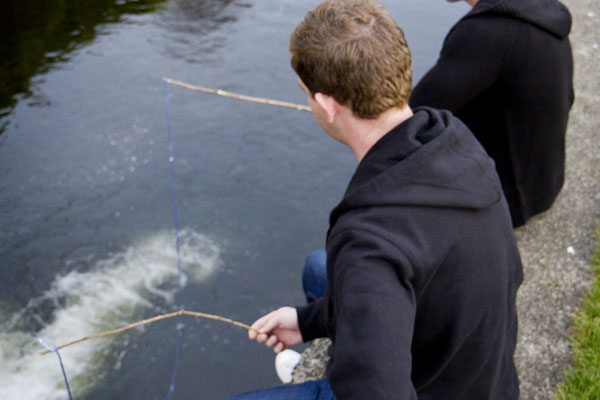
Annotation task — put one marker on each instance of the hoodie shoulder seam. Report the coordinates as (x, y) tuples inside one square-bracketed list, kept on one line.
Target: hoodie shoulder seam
[(405, 253)]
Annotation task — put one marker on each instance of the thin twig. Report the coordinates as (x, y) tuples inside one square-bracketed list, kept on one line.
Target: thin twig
[(220, 92), (154, 319)]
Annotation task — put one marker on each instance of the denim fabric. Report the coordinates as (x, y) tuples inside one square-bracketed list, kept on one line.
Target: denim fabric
[(314, 275), (313, 390)]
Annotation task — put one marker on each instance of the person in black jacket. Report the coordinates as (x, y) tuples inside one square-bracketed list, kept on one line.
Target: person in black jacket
[(422, 264), (506, 70)]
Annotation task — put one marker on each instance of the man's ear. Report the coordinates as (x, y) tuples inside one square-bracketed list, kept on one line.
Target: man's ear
[(328, 105)]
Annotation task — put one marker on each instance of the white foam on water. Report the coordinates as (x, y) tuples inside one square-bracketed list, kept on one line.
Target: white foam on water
[(110, 295)]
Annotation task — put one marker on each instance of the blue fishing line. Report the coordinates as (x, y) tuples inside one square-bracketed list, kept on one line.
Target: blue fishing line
[(55, 351), (176, 217), (179, 285), (64, 373)]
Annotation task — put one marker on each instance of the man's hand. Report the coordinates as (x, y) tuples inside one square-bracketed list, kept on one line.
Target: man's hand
[(278, 328)]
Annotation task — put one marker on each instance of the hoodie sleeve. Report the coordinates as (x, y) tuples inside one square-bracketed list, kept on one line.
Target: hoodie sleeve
[(311, 320), (469, 63), (376, 307)]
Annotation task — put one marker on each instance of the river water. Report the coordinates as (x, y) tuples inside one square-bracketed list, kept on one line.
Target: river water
[(86, 210)]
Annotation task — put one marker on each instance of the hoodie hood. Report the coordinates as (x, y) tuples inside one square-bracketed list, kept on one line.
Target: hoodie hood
[(430, 160), (549, 15)]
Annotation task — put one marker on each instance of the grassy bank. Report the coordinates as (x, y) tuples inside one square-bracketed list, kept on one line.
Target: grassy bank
[(582, 378)]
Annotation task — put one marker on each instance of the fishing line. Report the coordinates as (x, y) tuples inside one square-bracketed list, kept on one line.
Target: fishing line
[(179, 297), (62, 367), (179, 300), (179, 277)]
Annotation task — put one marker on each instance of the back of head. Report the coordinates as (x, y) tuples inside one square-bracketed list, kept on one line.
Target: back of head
[(354, 51)]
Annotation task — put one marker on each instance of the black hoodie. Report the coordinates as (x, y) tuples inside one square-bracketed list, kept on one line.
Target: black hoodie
[(506, 71), (422, 270)]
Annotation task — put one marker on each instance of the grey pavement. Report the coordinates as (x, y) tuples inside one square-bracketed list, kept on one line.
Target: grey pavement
[(555, 246)]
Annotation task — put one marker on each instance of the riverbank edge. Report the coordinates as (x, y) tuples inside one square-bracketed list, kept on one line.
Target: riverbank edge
[(582, 377)]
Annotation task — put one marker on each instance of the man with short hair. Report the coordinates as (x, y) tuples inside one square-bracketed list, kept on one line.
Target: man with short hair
[(506, 71), (422, 267)]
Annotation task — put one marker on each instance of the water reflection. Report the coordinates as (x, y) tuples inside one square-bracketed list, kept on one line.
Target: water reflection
[(186, 14), (188, 22), (35, 36)]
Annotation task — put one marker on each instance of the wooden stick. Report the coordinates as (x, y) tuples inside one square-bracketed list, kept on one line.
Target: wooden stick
[(220, 92), (154, 319)]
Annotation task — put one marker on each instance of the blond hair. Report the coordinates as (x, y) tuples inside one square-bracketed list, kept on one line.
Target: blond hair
[(354, 51)]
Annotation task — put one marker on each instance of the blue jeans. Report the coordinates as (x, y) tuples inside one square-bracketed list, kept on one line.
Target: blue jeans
[(314, 275), (313, 390), (314, 281)]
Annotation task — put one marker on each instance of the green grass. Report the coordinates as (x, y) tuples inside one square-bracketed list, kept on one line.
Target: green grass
[(582, 378)]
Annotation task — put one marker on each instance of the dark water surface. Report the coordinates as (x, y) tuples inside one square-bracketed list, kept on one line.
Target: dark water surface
[(86, 213)]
